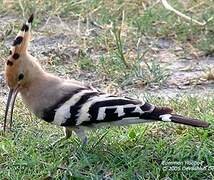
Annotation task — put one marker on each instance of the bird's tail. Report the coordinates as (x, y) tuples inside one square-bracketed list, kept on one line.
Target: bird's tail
[(165, 114)]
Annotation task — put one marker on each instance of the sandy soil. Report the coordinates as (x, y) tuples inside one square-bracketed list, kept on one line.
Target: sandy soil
[(56, 37)]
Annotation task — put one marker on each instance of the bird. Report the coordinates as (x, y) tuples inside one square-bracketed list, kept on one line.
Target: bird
[(71, 104)]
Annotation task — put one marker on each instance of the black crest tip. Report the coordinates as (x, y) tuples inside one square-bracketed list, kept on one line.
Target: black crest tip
[(30, 20), (25, 28)]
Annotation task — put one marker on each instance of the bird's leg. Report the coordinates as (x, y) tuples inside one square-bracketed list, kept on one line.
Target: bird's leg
[(81, 134), (67, 134)]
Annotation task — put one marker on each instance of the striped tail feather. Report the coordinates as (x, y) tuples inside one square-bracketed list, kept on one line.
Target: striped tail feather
[(164, 114), (184, 120)]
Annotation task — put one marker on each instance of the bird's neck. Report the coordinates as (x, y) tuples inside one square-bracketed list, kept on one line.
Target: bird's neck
[(33, 71), (38, 86), (42, 89)]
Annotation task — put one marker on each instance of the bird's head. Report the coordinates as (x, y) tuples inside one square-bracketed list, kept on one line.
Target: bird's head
[(16, 72)]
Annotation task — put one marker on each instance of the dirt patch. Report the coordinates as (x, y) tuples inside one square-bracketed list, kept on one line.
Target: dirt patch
[(58, 38)]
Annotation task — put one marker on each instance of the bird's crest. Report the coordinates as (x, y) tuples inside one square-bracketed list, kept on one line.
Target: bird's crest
[(20, 44)]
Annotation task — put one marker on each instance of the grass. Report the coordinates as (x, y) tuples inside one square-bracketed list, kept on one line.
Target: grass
[(122, 37), (138, 152)]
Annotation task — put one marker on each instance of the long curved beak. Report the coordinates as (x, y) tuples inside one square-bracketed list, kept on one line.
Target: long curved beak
[(10, 100)]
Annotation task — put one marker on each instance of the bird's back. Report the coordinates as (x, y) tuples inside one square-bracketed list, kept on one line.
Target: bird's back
[(85, 106)]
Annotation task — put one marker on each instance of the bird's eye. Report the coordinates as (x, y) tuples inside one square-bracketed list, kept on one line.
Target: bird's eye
[(21, 76)]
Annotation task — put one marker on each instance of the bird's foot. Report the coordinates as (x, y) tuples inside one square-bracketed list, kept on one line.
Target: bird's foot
[(84, 141), (67, 134), (81, 134)]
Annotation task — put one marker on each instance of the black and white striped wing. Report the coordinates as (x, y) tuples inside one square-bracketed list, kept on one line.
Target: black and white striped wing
[(107, 108), (88, 106)]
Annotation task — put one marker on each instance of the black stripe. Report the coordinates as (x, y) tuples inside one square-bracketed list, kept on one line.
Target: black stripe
[(74, 110), (9, 63), (10, 52), (94, 109), (49, 113), (146, 107), (18, 41), (129, 112), (25, 28), (30, 20), (154, 115), (111, 115), (15, 56), (150, 116)]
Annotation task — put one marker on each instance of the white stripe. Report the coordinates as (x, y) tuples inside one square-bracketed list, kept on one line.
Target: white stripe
[(63, 112), (84, 114), (166, 117), (101, 113), (29, 26), (120, 110), (138, 110)]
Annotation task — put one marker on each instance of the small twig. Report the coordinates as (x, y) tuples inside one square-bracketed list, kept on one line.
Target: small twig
[(169, 7)]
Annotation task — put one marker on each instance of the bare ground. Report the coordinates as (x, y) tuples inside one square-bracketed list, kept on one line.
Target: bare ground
[(68, 39)]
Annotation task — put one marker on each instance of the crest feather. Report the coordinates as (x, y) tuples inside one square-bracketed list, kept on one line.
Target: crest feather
[(21, 41)]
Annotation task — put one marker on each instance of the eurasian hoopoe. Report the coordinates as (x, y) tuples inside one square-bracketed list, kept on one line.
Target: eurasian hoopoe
[(71, 104)]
